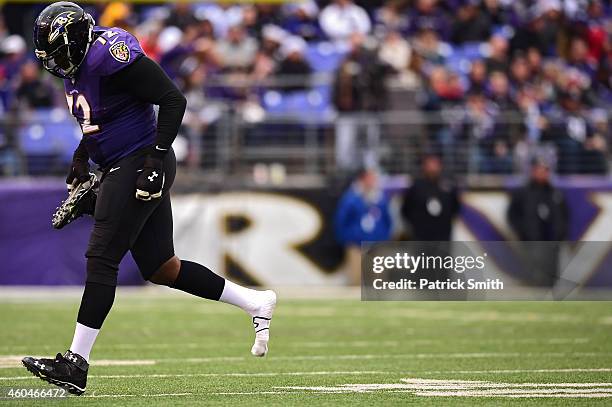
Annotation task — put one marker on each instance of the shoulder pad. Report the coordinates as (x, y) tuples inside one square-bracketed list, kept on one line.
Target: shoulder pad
[(112, 50)]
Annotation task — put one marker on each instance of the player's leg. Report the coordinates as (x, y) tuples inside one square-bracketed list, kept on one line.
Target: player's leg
[(153, 251), (119, 217)]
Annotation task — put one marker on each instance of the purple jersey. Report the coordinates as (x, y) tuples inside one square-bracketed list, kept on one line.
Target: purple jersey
[(114, 124)]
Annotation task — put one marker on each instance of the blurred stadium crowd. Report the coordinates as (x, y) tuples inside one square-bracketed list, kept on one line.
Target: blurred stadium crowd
[(486, 84)]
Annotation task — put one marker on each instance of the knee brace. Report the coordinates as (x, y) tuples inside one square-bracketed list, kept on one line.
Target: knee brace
[(102, 271)]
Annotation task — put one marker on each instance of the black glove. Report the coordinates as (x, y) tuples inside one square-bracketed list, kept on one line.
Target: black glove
[(150, 182), (79, 169)]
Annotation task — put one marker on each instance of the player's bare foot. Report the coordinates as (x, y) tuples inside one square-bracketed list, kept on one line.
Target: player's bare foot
[(261, 322)]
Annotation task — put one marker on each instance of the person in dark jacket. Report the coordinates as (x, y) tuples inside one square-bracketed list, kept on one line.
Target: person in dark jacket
[(431, 203), (429, 209), (538, 212)]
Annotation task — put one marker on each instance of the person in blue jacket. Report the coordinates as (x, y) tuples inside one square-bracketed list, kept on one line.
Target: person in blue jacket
[(362, 216)]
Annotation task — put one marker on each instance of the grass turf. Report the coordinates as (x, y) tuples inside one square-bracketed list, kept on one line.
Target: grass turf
[(192, 351)]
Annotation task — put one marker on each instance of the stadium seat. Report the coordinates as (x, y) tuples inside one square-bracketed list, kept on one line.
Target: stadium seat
[(48, 138), (471, 51), (307, 106), (324, 56)]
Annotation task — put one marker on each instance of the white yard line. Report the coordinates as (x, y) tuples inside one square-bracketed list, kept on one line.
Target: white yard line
[(136, 395), (430, 394), (13, 361), (467, 388), (512, 371), (330, 373), (458, 355), (415, 386), (308, 344), (123, 362), (256, 374), (509, 395), (420, 383), (254, 393)]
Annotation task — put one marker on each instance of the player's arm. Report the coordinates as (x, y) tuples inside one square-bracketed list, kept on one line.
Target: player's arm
[(79, 169), (145, 80)]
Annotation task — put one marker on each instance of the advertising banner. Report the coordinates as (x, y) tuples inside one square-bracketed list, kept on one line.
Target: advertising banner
[(274, 238)]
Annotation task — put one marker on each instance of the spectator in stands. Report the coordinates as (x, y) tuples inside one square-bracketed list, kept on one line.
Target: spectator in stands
[(579, 57), (478, 76), (396, 52), (484, 128), (266, 13), (499, 91), (268, 55), (294, 71), (342, 19), (531, 111), (235, 56), (237, 51), (520, 74), (201, 112), (362, 215), (431, 204), (13, 49), (428, 15), (430, 49), (10, 158), (301, 19), (118, 14), (551, 12), (497, 11), (358, 93), (391, 17), (148, 35), (498, 54), (538, 212), (596, 33), (5, 91), (222, 16), (530, 133), (580, 149), (507, 123), (534, 62), (251, 20), (442, 95), (533, 33), (181, 15), (470, 24), (32, 92), (172, 50), (3, 30), (537, 53)]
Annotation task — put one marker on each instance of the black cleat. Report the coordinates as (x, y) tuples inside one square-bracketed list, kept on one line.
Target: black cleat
[(68, 371), (81, 201)]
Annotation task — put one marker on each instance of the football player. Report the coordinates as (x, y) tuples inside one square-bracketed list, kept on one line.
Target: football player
[(111, 87)]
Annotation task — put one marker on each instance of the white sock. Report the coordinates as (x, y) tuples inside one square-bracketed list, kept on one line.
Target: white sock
[(239, 296), (83, 341)]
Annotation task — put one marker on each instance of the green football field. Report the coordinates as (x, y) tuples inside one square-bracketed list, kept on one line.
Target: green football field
[(161, 349)]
